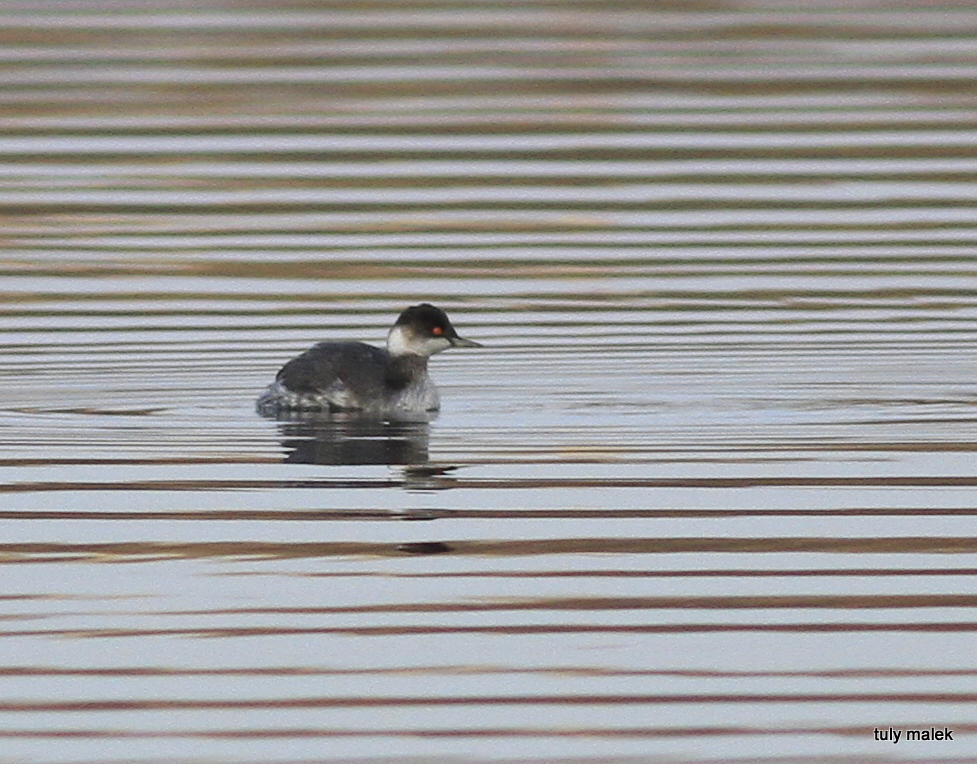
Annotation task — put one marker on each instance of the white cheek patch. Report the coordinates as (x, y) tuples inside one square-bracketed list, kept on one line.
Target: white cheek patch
[(434, 345), (398, 341), (401, 341)]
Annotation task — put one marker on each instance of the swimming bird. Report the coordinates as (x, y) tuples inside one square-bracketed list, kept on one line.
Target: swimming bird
[(354, 376)]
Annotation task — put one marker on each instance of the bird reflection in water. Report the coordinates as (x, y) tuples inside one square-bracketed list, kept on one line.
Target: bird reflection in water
[(352, 438)]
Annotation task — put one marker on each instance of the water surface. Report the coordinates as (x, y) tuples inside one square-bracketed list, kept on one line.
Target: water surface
[(707, 493)]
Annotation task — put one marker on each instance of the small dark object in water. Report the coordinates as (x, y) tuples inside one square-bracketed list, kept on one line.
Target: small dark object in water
[(424, 547)]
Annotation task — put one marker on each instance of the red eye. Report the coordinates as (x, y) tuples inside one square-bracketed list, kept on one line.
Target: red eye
[(437, 331)]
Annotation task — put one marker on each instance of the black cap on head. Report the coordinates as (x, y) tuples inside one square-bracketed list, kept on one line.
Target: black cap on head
[(426, 317), (430, 320)]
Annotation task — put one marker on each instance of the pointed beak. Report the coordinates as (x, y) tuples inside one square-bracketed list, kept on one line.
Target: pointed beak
[(461, 342)]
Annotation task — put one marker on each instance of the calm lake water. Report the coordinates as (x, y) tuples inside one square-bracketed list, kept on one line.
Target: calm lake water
[(707, 494)]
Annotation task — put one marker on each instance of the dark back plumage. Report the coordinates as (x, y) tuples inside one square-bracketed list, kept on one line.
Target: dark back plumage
[(356, 365)]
